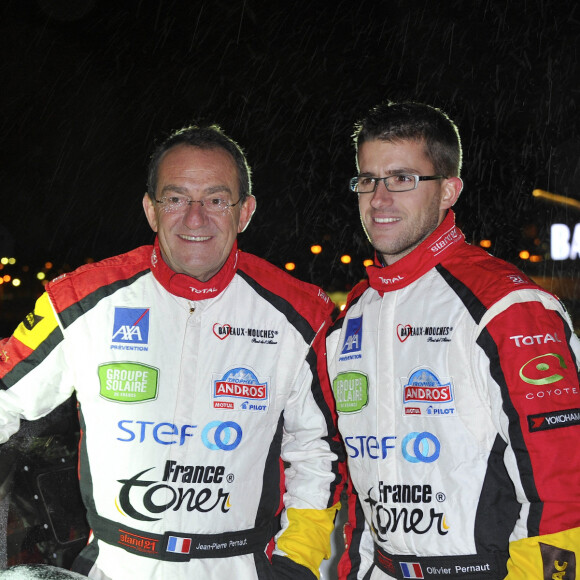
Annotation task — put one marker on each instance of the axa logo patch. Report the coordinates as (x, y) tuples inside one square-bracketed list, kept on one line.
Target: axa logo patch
[(559, 564), (239, 389), (130, 329), (554, 420), (352, 339)]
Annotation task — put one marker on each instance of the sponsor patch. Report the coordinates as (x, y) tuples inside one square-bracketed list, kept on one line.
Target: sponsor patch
[(239, 389), (146, 495), (554, 420), (130, 329), (425, 394), (559, 564), (351, 392), (451, 236), (127, 382), (216, 435), (421, 447), (428, 333), (32, 320), (352, 339), (137, 543), (516, 279), (255, 335), (543, 370), (407, 507)]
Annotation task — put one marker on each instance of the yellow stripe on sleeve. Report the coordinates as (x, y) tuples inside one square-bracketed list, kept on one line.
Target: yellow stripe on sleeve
[(38, 325)]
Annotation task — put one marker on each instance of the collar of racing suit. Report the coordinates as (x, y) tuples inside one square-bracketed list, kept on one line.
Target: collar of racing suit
[(424, 257), (188, 287)]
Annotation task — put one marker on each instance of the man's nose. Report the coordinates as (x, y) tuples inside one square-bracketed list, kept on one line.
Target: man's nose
[(381, 195), (195, 214)]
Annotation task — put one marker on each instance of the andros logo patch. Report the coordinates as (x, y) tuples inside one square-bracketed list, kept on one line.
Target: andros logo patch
[(239, 389), (425, 394), (130, 329)]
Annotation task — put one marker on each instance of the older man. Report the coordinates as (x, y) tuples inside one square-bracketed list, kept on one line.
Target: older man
[(208, 443)]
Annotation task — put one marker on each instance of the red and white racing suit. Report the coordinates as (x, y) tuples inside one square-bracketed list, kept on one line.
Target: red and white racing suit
[(456, 383), (206, 415)]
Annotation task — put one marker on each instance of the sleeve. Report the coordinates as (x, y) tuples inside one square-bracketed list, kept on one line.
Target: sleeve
[(314, 469), (358, 554), (33, 376), (533, 356)]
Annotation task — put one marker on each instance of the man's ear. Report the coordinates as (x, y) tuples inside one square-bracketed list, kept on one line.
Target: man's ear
[(149, 208), (246, 213), (451, 190)]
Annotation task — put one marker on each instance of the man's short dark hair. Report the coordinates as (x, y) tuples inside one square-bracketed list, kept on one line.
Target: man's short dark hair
[(410, 121), (203, 137)]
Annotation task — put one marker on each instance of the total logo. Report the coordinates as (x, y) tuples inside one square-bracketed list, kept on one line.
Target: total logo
[(425, 394), (416, 447), (130, 329), (523, 340), (141, 499), (216, 435), (239, 389)]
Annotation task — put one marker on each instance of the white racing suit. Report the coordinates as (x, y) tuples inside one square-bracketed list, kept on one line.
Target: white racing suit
[(456, 384), (206, 415)]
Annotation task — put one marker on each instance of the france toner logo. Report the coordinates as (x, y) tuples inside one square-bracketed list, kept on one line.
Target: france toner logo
[(352, 339), (131, 327)]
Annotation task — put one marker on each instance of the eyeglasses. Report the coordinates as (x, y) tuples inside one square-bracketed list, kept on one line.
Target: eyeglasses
[(399, 182), (179, 203)]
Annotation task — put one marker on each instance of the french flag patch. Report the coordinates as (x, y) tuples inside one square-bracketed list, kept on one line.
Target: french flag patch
[(411, 570), (183, 545)]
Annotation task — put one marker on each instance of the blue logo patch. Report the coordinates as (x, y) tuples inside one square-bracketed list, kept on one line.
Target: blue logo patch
[(353, 337), (131, 326)]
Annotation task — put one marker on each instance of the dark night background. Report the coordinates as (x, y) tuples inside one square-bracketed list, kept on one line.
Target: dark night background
[(89, 85)]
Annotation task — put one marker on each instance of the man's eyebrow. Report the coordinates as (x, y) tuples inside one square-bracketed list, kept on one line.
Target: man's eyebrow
[(395, 171), (173, 189), (217, 189)]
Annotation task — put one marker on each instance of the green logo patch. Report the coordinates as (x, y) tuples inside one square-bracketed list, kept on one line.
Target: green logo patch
[(128, 382), (351, 392)]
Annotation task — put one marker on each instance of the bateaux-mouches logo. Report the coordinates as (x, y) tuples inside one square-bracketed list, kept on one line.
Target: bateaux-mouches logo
[(240, 389), (352, 339), (425, 394), (130, 329)]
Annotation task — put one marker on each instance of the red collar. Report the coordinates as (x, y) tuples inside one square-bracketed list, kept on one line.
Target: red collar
[(424, 257), (188, 287)]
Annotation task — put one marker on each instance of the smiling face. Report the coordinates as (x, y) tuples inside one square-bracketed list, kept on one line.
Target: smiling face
[(194, 241), (396, 223)]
